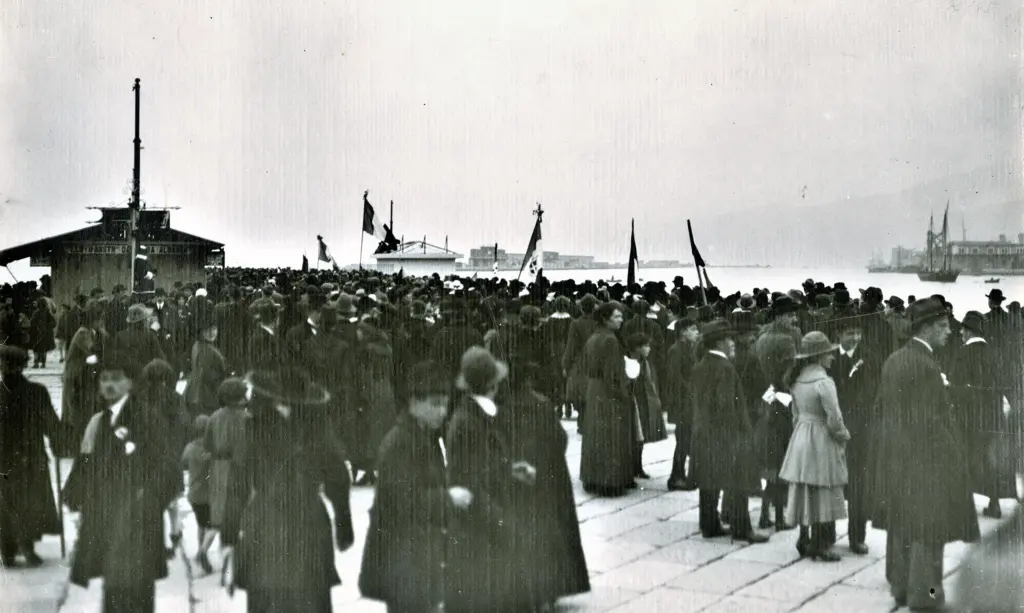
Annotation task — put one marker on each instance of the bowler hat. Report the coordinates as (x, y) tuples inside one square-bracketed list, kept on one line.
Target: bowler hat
[(822, 300), (427, 379), (925, 311), (746, 301), (479, 370), (814, 344), (996, 295), (841, 298), (894, 302), (116, 359), (975, 322), (783, 305), (716, 330)]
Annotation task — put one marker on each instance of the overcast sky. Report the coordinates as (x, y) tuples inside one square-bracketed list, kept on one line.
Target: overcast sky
[(265, 124)]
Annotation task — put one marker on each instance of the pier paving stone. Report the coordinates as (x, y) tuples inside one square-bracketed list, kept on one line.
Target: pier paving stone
[(644, 553), (667, 599), (641, 575), (723, 576)]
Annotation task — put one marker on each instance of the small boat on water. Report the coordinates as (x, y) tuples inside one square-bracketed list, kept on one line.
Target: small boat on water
[(992, 280)]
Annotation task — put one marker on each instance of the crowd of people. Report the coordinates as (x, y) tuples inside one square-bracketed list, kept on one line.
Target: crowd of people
[(271, 386)]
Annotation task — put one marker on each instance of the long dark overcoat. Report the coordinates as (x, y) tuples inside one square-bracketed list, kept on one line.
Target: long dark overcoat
[(207, 372), (404, 556), (923, 488), (978, 399), (285, 519), (609, 430), (482, 567), (549, 532), (722, 431), (122, 491), (678, 400), (26, 488), (645, 391), (374, 398)]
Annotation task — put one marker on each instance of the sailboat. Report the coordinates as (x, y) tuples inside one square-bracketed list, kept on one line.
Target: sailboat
[(946, 274)]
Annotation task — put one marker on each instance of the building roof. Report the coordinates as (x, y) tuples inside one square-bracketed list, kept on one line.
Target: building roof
[(94, 233)]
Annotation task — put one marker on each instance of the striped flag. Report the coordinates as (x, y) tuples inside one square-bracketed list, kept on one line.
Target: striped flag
[(534, 258), (371, 223)]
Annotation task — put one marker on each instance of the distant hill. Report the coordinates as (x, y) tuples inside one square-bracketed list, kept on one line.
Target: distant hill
[(847, 232)]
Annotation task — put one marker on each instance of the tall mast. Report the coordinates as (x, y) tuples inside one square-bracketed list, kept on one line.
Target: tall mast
[(931, 241), (136, 191), (945, 238)]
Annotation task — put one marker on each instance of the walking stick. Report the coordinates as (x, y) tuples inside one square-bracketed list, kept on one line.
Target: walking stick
[(60, 505)]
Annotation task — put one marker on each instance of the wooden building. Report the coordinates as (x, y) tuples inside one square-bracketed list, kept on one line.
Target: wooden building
[(418, 259), (99, 256)]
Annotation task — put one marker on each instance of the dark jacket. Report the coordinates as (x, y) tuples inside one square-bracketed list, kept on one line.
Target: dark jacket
[(26, 489), (678, 400), (122, 491), (923, 487), (609, 430), (404, 555), (722, 430)]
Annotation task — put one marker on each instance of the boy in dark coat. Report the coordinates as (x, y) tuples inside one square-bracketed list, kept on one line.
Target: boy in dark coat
[(682, 358), (404, 556)]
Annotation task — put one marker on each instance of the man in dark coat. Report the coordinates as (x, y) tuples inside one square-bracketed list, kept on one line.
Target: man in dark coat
[(979, 403), (722, 437), (924, 489), (124, 479), (404, 556), (27, 509), (682, 357), (137, 339)]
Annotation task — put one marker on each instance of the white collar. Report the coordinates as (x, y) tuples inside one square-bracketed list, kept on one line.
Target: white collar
[(718, 353), (486, 405), (652, 316), (116, 408), (268, 329), (976, 339), (849, 353), (559, 315), (930, 350), (312, 326)]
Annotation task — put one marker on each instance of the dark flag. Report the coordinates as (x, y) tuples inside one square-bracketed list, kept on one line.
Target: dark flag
[(323, 253), (305, 264), (634, 260), (494, 268), (697, 260)]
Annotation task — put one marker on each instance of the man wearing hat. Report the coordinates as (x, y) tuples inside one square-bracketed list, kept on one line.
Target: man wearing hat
[(264, 350), (980, 406), (138, 339), (923, 486), (722, 437), (682, 357), (125, 478), (27, 510)]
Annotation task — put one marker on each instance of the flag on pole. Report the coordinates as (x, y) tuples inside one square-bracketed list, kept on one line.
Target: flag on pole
[(494, 268), (697, 260), (305, 264), (371, 223), (634, 260), (323, 254), (534, 258)]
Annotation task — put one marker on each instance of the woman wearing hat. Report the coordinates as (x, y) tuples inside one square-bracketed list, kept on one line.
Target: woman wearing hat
[(483, 567), (815, 462), (610, 430), (284, 556)]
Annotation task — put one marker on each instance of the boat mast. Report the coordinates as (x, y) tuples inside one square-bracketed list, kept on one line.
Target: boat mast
[(931, 241), (945, 238)]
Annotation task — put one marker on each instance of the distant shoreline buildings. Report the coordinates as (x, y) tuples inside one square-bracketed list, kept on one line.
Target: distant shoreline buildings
[(482, 259), (998, 257)]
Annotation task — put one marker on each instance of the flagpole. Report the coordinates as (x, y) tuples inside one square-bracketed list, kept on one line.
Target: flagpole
[(361, 235)]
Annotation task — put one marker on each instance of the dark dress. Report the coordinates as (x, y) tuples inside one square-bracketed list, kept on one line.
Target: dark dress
[(549, 535), (27, 507), (284, 557), (607, 459)]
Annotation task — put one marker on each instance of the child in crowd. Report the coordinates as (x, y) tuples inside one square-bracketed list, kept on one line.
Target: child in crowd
[(197, 461)]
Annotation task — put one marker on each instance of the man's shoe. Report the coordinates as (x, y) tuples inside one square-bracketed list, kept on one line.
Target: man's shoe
[(859, 548), (717, 532), (33, 560), (751, 537), (995, 512)]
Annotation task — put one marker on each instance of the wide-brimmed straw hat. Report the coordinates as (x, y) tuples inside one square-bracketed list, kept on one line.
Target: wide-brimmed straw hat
[(814, 344)]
